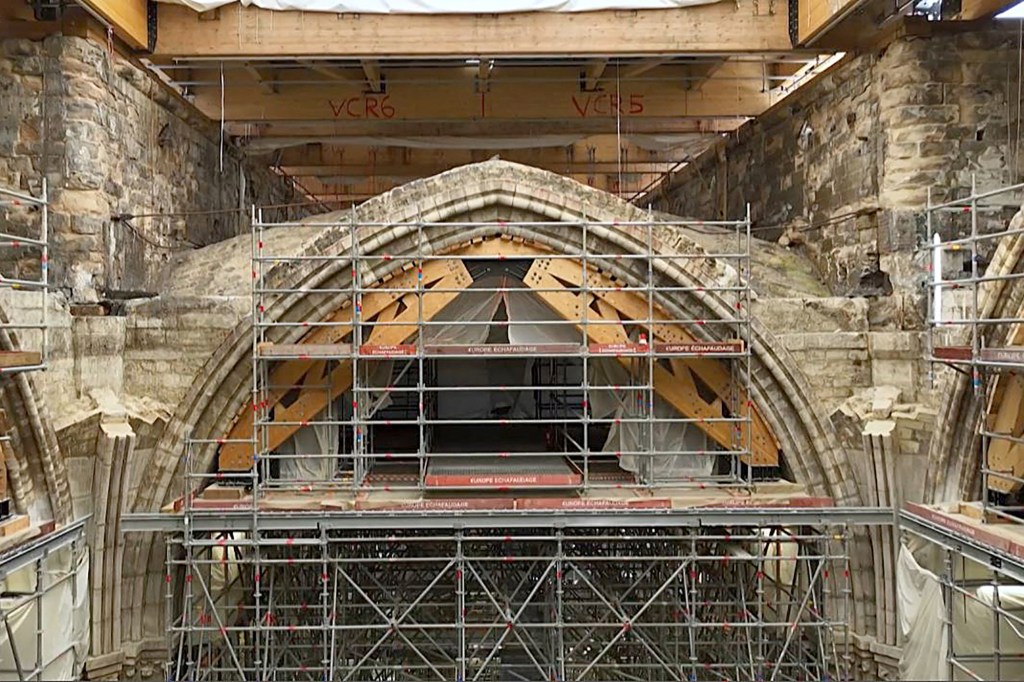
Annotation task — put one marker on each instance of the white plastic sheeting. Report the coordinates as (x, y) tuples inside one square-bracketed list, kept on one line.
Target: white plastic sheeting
[(923, 612), (65, 617), (529, 322), (444, 6), (632, 436)]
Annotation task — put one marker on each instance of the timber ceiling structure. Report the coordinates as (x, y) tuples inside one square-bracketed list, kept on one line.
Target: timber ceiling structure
[(350, 105)]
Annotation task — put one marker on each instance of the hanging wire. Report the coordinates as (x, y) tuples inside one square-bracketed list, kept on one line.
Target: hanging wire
[(618, 123), (222, 117)]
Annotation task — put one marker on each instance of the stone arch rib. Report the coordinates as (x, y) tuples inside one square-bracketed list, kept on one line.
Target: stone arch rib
[(491, 190)]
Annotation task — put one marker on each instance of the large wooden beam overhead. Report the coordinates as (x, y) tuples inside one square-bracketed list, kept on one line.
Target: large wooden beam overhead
[(326, 131), (722, 27), (427, 95), (128, 19), (600, 154)]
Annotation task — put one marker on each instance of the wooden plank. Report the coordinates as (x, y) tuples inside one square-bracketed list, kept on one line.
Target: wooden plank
[(304, 351), (129, 19), (10, 359), (13, 525), (1008, 418), (720, 27), (972, 10)]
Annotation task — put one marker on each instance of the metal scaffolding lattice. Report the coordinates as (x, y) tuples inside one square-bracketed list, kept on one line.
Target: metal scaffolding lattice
[(376, 382), (38, 581), (977, 545), (963, 335), (469, 589), (738, 603), (24, 267)]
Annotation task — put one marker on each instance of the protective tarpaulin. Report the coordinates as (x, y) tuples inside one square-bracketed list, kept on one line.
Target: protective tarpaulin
[(514, 315), (923, 612), (444, 6), (627, 436), (65, 617)]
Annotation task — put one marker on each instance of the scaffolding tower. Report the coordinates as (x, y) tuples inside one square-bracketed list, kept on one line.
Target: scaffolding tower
[(24, 272), (534, 550), (978, 546)]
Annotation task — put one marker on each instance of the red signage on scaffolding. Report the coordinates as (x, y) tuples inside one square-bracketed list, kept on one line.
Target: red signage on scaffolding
[(588, 504), (1009, 355), (952, 352), (617, 348), (501, 480), (392, 351), (505, 349), (695, 348)]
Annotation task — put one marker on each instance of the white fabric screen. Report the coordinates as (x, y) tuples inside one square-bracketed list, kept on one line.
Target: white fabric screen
[(65, 615), (923, 611), (529, 322), (444, 6)]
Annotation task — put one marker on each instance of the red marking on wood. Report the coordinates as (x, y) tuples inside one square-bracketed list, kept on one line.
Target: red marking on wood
[(363, 107), (608, 104)]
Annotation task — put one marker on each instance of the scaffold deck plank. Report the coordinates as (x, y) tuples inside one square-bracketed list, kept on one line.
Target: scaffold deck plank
[(1007, 355), (304, 351), (1000, 546), (12, 359)]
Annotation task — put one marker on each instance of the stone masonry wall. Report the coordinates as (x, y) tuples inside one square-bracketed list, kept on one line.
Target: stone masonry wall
[(847, 161), (112, 141)]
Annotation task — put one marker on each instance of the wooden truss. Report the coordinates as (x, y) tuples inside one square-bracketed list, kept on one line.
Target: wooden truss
[(305, 379), (1006, 416)]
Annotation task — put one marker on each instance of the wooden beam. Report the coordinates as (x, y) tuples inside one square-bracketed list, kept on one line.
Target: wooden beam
[(327, 70), (336, 131), (640, 68), (972, 10), (371, 69), (720, 27), (444, 274), (700, 72), (599, 152), (128, 18), (538, 94), (267, 87), (676, 387), (592, 74)]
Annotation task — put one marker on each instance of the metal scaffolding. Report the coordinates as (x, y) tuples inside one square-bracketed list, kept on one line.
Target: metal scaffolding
[(978, 545), (963, 335), (24, 267), (455, 586), (39, 581), (725, 603), (386, 428)]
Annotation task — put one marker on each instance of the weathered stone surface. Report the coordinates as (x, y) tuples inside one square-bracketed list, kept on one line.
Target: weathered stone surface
[(113, 141)]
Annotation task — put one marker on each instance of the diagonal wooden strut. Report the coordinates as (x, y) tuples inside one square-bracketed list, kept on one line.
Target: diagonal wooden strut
[(676, 381), (676, 386), (439, 274)]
